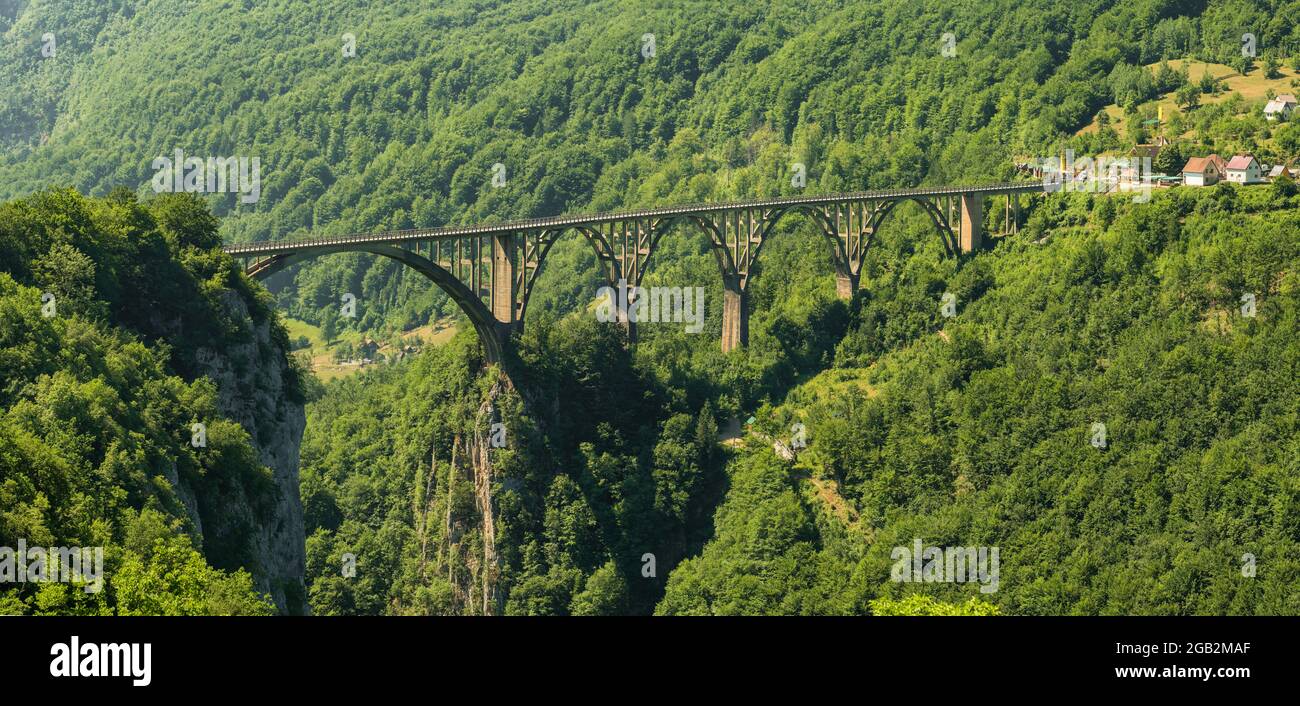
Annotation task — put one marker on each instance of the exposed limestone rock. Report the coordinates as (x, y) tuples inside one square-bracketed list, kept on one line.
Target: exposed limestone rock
[(267, 533)]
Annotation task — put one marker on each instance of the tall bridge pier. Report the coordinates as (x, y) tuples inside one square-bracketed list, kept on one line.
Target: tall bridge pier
[(504, 282), (490, 271), (735, 315), (971, 231)]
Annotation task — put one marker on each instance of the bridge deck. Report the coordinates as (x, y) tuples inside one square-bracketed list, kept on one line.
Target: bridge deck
[(411, 234)]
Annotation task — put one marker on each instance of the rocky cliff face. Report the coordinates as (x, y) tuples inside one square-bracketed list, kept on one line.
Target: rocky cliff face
[(241, 526)]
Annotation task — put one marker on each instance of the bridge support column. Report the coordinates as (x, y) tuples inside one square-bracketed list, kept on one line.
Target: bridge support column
[(503, 279), (735, 315), (846, 284), (972, 222), (628, 324)]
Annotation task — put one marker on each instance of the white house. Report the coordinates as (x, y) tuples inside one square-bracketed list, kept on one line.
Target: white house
[(1244, 169), (1280, 107)]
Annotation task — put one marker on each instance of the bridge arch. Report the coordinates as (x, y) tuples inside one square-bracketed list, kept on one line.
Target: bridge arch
[(717, 240), (606, 260), (610, 263), (543, 245), (946, 233), (824, 225), (491, 333)]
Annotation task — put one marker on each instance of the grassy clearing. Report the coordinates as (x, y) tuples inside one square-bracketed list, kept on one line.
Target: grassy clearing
[(1253, 88), (322, 355)]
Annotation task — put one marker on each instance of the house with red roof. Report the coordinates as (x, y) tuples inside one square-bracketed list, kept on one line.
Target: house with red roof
[(1244, 169), (1204, 171)]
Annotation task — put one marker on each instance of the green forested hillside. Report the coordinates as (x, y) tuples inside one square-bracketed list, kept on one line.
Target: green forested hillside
[(972, 430), (977, 430), (104, 305), (405, 133)]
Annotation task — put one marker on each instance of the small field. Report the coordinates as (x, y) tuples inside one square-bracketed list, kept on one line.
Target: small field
[(1252, 87), (836, 383), (322, 355)]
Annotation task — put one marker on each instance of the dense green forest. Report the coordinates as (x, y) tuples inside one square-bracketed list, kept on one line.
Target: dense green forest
[(629, 482), (980, 434), (405, 132), (105, 304), (974, 430)]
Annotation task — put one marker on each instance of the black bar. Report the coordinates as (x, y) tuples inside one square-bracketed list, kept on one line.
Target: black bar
[(925, 658)]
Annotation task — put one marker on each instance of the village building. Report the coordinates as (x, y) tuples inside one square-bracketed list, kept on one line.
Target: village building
[(1244, 169), (1280, 107), (1203, 171), (1151, 149), (1280, 170)]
